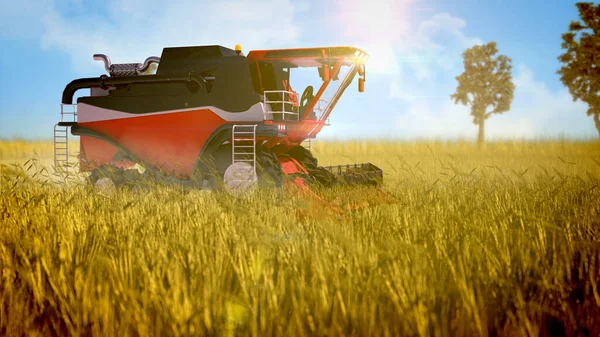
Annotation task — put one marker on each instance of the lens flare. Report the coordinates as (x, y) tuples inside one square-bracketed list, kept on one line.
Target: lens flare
[(377, 26)]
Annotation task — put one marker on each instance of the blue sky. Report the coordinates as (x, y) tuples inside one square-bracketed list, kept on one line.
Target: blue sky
[(415, 49)]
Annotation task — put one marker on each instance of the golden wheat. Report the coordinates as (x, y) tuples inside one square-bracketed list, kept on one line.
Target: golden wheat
[(502, 240)]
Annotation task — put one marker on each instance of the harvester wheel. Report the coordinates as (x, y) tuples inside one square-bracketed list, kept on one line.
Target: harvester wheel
[(115, 176), (323, 176), (304, 157), (268, 168), (311, 164), (106, 175)]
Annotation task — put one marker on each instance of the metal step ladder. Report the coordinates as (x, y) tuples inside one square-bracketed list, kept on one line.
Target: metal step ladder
[(241, 175), (61, 149), (68, 117), (243, 144)]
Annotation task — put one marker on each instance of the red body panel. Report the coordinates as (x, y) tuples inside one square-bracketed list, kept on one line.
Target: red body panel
[(94, 152), (170, 141), (300, 131), (292, 166)]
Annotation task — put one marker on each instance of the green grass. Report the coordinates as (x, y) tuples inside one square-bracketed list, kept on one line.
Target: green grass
[(496, 241)]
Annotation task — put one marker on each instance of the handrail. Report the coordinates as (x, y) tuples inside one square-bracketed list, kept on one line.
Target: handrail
[(72, 113), (284, 103)]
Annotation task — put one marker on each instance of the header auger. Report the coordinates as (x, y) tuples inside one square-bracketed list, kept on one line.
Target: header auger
[(211, 117)]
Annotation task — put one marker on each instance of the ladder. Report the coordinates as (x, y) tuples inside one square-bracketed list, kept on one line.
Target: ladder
[(243, 145), (61, 148), (68, 117)]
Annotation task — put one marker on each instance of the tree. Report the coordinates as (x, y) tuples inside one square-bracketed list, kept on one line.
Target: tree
[(486, 84), (580, 72)]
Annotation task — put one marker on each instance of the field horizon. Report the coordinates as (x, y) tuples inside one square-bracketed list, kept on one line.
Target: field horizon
[(502, 240)]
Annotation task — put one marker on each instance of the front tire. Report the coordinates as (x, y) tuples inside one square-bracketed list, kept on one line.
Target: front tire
[(316, 173), (304, 157), (102, 174), (268, 168), (111, 176)]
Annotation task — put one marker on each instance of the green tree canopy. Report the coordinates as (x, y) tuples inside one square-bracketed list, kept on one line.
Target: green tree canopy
[(486, 84), (580, 72)]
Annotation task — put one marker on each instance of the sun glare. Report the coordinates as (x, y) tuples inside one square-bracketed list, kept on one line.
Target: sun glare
[(376, 26)]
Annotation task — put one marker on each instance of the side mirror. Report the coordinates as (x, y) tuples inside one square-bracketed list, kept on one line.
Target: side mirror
[(361, 84)]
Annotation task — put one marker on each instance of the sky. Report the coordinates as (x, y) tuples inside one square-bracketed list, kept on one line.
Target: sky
[(415, 52)]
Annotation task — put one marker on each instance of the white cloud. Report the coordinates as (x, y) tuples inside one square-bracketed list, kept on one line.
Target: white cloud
[(426, 119), (551, 112), (20, 20), (431, 58), (446, 26), (133, 29)]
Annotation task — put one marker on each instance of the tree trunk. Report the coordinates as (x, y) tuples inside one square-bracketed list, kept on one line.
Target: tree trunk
[(597, 121), (481, 135)]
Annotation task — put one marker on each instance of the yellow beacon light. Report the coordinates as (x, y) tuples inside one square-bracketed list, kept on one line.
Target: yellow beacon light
[(238, 49)]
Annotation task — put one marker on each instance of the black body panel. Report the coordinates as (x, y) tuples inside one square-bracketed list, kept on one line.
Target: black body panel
[(102, 81), (187, 77), (201, 60), (310, 52)]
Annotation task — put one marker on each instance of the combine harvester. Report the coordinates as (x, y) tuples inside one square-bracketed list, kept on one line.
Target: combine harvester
[(211, 118)]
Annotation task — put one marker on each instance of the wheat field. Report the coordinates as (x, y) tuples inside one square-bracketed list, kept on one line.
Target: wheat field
[(461, 241)]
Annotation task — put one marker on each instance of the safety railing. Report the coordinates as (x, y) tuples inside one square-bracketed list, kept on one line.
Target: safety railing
[(68, 113), (280, 105)]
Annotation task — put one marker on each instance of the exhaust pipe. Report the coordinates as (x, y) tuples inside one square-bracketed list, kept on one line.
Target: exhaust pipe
[(105, 59), (117, 69), (148, 62)]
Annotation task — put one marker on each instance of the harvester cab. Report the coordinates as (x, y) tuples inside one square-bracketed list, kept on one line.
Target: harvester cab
[(210, 116), (304, 113)]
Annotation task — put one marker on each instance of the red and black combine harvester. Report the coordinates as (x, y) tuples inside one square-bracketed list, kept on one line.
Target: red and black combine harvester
[(210, 117)]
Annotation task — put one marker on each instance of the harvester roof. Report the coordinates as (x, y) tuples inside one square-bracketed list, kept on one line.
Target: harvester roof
[(307, 57), (200, 58)]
